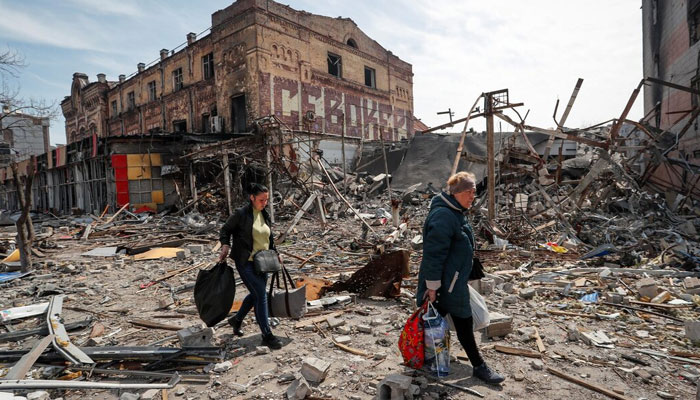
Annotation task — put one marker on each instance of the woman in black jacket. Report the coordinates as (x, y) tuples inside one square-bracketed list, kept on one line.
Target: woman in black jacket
[(250, 228)]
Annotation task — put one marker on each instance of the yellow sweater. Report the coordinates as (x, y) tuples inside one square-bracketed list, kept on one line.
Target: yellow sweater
[(261, 234)]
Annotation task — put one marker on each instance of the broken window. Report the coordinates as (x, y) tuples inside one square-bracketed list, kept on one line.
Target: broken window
[(694, 21), (370, 77), (352, 43), (177, 79), (130, 101), (180, 126), (208, 66), (335, 65), (114, 107), (205, 123), (238, 114), (151, 90)]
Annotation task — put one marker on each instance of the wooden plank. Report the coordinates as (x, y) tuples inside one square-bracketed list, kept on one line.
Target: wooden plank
[(116, 213), (309, 201), (538, 339), (588, 385), (20, 369), (517, 351), (154, 325), (665, 306)]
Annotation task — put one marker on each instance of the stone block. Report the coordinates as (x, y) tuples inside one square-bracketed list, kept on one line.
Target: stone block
[(124, 396), (692, 331), (334, 322), (364, 328), (486, 286), (195, 336), (298, 389), (647, 288), (223, 366), (344, 339), (396, 387), (43, 395), (500, 325), (527, 293), (692, 285), (195, 248), (150, 394), (314, 369), (259, 350)]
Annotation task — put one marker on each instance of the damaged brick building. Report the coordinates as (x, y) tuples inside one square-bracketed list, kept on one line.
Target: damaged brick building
[(259, 58), (671, 53)]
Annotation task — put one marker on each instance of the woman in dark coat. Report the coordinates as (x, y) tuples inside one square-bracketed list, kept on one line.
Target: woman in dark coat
[(250, 228), (448, 251)]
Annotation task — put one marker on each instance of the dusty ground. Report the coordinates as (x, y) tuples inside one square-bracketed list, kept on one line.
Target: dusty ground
[(108, 289)]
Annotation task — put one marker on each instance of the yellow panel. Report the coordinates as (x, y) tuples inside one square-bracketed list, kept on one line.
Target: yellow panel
[(134, 160), (14, 256), (156, 160), (157, 196), (139, 173), (158, 252)]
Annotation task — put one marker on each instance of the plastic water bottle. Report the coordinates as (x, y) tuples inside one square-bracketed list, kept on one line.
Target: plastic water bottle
[(436, 343)]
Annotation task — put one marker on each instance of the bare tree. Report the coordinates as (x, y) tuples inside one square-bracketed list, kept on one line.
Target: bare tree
[(11, 103), (25, 228)]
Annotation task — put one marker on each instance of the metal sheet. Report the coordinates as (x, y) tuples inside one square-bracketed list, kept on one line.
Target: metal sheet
[(20, 369), (23, 312), (62, 342), (54, 384)]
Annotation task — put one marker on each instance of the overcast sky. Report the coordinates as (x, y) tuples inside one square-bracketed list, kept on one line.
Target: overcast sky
[(459, 49)]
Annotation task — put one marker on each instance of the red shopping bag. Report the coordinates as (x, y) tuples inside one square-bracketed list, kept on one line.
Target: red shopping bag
[(411, 339)]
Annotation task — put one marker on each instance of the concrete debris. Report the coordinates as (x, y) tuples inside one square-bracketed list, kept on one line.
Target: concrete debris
[(298, 389), (314, 369)]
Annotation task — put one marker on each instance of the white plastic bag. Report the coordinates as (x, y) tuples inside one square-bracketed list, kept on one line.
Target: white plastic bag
[(480, 313)]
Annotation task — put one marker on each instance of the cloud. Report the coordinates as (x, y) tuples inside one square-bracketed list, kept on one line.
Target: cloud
[(103, 7)]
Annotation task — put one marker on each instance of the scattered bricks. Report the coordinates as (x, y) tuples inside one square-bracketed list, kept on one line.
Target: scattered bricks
[(150, 394), (486, 286), (315, 370), (298, 389), (195, 248), (396, 387), (344, 339), (527, 293), (334, 322), (692, 285), (647, 288), (260, 350), (500, 325), (364, 329), (537, 365), (692, 331), (195, 337)]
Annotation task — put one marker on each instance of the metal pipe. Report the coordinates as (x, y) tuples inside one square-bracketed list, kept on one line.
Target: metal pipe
[(56, 384)]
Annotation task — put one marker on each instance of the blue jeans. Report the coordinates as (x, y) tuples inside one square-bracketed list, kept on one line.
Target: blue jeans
[(257, 296)]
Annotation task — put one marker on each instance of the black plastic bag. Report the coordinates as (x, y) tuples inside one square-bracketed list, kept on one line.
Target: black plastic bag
[(477, 270), (214, 292)]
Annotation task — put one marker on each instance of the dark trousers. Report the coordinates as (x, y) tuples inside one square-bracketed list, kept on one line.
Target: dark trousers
[(257, 296), (465, 334)]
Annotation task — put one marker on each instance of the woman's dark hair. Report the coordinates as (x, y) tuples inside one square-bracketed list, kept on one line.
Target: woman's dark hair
[(256, 188)]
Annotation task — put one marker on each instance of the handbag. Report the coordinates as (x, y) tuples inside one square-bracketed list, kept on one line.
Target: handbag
[(477, 270), (266, 261), (411, 339), (214, 292), (290, 303)]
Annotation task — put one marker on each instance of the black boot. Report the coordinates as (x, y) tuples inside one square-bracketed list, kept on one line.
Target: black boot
[(488, 375), (236, 324), (271, 341)]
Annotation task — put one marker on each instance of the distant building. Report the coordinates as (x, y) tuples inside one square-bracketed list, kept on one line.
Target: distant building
[(22, 136)]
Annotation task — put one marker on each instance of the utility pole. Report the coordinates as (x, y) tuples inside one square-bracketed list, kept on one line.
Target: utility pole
[(490, 156)]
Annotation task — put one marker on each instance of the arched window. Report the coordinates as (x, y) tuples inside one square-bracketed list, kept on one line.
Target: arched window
[(352, 43)]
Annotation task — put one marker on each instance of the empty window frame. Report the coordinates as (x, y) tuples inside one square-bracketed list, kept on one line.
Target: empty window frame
[(208, 66), (151, 90), (370, 77), (130, 101), (180, 126), (335, 65), (114, 107), (694, 21), (177, 79)]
